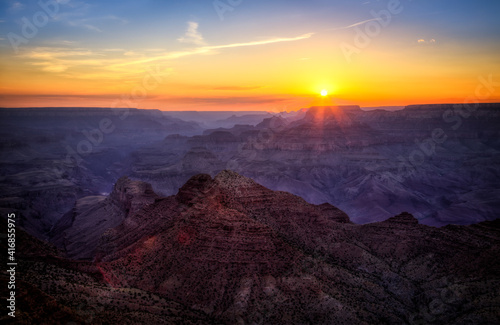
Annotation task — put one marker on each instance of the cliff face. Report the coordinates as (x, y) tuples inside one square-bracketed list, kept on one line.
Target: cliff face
[(78, 232), (132, 195), (230, 248)]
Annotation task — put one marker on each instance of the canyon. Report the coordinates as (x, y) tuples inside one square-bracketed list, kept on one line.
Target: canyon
[(227, 250)]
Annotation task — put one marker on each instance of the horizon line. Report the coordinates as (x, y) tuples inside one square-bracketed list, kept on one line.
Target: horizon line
[(263, 110)]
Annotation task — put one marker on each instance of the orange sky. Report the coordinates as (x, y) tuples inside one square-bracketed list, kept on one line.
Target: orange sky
[(206, 67)]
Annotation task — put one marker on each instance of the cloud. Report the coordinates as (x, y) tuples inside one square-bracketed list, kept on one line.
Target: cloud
[(113, 17), (265, 42), (426, 42), (55, 68), (88, 26), (16, 6), (64, 96), (52, 53), (60, 59), (357, 24), (89, 23), (82, 63), (68, 18), (114, 50), (237, 88), (80, 16), (192, 35), (66, 42), (207, 49), (224, 100)]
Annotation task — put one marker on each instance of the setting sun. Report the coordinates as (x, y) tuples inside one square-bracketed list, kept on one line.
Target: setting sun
[(202, 64)]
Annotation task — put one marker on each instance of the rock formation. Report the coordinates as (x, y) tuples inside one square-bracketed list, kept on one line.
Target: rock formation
[(78, 232), (436, 161), (239, 252), (227, 250)]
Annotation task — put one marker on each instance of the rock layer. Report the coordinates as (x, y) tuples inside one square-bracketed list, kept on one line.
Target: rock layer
[(78, 232), (239, 252)]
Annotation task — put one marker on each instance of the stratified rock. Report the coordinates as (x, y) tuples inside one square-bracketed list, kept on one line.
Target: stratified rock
[(132, 195), (80, 230), (239, 252)]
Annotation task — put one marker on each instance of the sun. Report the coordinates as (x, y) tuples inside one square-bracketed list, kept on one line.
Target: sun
[(324, 92)]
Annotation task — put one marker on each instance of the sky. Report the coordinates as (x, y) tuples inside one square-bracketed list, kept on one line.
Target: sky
[(271, 55)]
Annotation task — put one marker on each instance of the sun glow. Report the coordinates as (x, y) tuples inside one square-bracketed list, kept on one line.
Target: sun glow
[(324, 92)]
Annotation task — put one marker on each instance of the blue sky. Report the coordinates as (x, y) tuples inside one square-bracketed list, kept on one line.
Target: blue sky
[(119, 21)]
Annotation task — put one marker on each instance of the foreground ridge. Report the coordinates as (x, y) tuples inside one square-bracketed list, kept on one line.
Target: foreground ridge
[(225, 249)]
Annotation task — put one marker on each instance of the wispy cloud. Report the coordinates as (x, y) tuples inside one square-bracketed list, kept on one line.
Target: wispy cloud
[(237, 88), (79, 16), (51, 67), (210, 101), (232, 100), (167, 56), (90, 23), (88, 26), (82, 63), (57, 60), (264, 42), (192, 35), (208, 49), (16, 6), (66, 42), (426, 42), (114, 50), (356, 24), (65, 96), (51, 53), (113, 17)]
